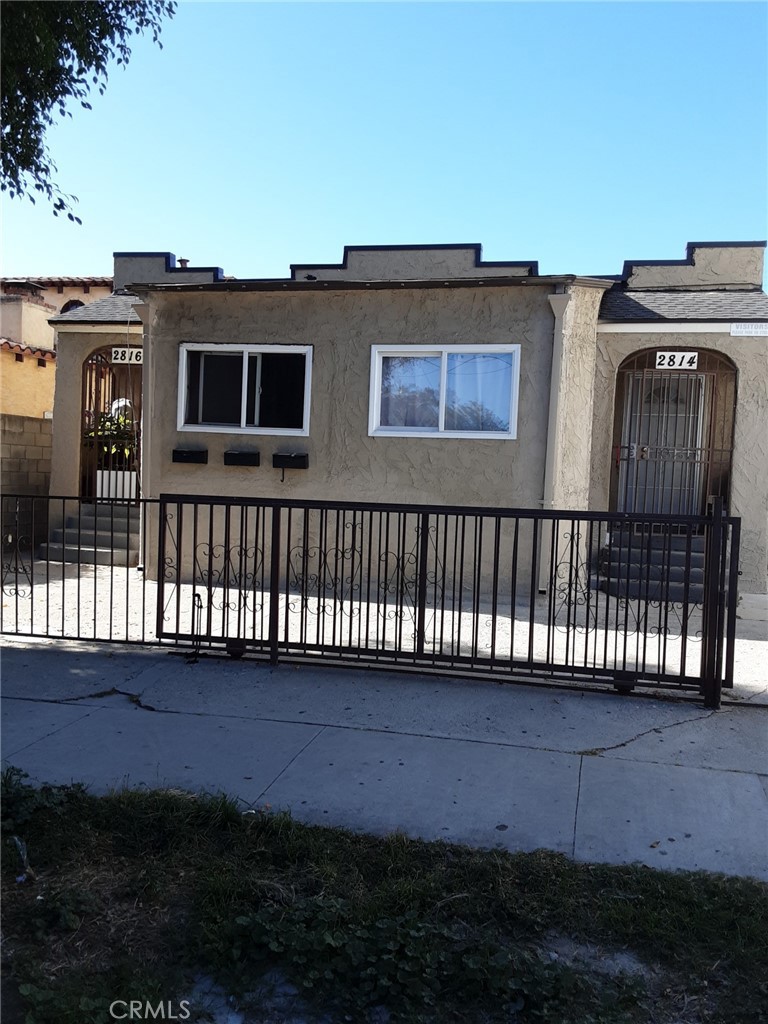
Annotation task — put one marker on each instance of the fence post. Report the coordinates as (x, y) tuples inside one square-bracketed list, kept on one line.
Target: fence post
[(711, 666), (274, 587), (421, 584), (162, 509), (733, 600)]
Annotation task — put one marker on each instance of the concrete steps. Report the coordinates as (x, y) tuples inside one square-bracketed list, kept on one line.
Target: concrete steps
[(102, 534), (656, 568)]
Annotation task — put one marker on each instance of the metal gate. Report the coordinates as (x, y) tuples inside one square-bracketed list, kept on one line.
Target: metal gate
[(674, 432), (582, 598), (111, 424), (456, 589)]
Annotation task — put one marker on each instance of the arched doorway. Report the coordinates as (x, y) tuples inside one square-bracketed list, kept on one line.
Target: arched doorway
[(111, 424), (673, 431)]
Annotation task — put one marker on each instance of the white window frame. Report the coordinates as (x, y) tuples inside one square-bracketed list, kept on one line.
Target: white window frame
[(374, 404), (246, 350)]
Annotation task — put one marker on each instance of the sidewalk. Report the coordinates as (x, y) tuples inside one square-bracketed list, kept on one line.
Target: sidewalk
[(595, 776)]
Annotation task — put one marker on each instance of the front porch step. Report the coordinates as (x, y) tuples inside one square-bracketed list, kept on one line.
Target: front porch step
[(89, 555), (657, 557), (125, 516), (653, 567), (654, 573), (103, 524), (632, 589), (99, 538)]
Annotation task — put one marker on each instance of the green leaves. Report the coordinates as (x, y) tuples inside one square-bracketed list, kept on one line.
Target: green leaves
[(405, 963), (52, 53)]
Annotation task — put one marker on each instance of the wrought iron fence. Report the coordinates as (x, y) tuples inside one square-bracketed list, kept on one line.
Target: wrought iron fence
[(586, 597)]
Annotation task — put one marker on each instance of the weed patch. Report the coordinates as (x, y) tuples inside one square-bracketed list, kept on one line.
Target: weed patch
[(134, 894)]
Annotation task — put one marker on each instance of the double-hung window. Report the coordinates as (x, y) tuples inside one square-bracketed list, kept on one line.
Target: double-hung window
[(444, 390), (249, 389)]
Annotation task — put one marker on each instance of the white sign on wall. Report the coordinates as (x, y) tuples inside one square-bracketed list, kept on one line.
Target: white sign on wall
[(749, 330), (677, 360), (127, 355)]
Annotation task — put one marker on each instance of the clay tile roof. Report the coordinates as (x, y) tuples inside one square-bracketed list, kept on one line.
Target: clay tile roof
[(620, 305), (19, 346), (105, 282)]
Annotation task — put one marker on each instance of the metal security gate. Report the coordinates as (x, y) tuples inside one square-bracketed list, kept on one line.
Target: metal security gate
[(673, 438), (111, 424), (627, 601)]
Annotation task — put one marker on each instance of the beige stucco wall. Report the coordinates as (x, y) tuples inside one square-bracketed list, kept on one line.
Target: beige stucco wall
[(712, 267), (411, 265), (58, 299), (345, 463), (26, 389), (140, 269), (74, 347), (572, 438), (26, 322), (749, 479)]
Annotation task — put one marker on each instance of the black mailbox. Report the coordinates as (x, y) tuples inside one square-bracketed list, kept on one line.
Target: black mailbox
[(290, 460), (198, 456), (235, 458)]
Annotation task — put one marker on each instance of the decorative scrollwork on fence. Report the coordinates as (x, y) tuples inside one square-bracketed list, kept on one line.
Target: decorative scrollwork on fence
[(574, 608), (589, 592), (324, 580), (17, 555)]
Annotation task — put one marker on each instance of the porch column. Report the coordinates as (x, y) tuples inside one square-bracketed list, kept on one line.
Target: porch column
[(559, 304)]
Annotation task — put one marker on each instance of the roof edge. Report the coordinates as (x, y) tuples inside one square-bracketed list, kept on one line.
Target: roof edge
[(289, 284)]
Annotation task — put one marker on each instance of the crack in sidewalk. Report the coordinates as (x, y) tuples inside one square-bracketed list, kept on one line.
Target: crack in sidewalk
[(286, 767), (576, 809), (597, 751), (114, 691)]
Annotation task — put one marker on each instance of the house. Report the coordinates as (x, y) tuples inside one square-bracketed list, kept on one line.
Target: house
[(27, 372), (424, 374), (98, 407)]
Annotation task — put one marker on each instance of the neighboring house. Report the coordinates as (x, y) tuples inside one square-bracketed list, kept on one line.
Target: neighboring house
[(424, 374), (27, 366), (27, 372)]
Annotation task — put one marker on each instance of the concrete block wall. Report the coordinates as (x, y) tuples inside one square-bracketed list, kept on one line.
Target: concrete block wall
[(26, 454)]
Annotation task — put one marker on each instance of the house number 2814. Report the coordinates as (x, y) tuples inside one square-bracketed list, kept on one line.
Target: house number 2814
[(677, 360)]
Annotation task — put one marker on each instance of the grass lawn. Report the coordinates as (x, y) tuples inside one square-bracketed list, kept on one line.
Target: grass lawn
[(130, 896)]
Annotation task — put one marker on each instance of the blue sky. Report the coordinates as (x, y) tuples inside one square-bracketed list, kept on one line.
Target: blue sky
[(578, 134)]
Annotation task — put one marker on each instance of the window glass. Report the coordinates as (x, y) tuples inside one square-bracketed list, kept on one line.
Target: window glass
[(444, 390), (282, 390), (221, 388), (410, 391), (274, 395), (478, 391)]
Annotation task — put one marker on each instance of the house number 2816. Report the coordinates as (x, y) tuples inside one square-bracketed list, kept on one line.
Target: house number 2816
[(127, 355), (677, 360)]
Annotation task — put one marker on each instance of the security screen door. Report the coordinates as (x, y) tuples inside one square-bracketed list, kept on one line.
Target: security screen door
[(661, 458)]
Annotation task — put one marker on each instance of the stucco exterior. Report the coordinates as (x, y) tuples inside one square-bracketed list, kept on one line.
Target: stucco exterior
[(749, 479), (411, 263), (574, 333), (572, 390), (26, 385), (343, 460), (707, 266), (75, 345)]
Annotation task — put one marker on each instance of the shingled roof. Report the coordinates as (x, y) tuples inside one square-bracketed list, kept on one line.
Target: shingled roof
[(622, 306), (112, 309)]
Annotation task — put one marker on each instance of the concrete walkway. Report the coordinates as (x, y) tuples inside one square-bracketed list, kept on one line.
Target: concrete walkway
[(595, 776)]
